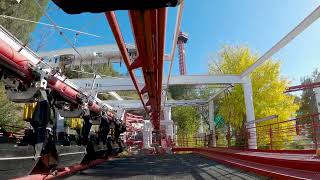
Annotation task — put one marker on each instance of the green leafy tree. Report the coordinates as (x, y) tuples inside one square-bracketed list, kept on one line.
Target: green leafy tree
[(199, 115), (308, 100), (267, 85), (182, 92), (10, 113), (189, 92), (88, 71), (308, 105), (187, 119), (132, 95), (26, 9)]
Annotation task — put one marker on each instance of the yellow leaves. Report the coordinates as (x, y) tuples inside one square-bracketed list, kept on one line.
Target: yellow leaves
[(228, 54), (267, 85), (275, 136), (10, 113)]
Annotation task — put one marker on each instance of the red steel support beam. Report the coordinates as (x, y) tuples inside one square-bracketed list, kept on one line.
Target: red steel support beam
[(149, 31), (162, 13), (303, 87), (111, 17), (143, 38)]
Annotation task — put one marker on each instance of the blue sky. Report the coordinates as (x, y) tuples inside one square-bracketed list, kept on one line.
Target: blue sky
[(211, 24)]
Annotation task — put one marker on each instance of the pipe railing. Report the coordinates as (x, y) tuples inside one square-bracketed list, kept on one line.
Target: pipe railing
[(301, 133)]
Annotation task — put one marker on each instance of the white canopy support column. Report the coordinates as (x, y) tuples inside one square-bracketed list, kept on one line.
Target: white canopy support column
[(317, 95), (212, 124), (251, 126), (147, 134), (175, 134), (167, 122)]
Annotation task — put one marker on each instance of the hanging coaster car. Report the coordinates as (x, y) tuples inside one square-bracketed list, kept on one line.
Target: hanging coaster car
[(98, 6)]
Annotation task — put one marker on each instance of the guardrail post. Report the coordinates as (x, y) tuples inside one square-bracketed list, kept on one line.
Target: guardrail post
[(196, 141), (314, 132), (212, 141), (247, 137), (297, 129), (228, 137), (205, 140), (187, 139), (270, 136)]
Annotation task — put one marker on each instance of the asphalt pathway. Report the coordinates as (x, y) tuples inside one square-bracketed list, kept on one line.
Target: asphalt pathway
[(181, 166)]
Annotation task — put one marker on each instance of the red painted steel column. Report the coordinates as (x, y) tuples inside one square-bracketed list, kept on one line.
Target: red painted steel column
[(162, 18), (144, 47), (182, 69), (182, 39)]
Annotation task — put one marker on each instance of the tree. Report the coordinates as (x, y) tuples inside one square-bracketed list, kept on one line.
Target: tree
[(267, 85), (26, 9), (88, 71), (185, 117), (308, 104), (45, 33), (308, 100), (182, 92), (187, 120), (10, 113), (189, 92)]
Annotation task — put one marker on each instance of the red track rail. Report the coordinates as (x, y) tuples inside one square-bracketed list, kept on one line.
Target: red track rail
[(149, 31), (111, 17)]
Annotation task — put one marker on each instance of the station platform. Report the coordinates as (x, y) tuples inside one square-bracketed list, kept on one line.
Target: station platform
[(294, 155), (276, 164), (151, 167)]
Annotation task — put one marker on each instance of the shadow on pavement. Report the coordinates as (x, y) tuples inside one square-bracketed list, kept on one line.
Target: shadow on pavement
[(181, 166)]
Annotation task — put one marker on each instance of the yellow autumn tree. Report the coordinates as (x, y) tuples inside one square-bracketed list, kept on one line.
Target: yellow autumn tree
[(268, 97)]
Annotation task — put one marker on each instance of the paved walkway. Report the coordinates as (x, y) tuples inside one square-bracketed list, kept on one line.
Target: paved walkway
[(182, 166)]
